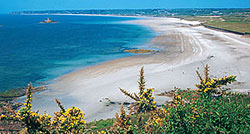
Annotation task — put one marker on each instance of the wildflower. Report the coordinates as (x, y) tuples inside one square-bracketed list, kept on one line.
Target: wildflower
[(144, 99), (71, 119), (122, 122), (208, 85)]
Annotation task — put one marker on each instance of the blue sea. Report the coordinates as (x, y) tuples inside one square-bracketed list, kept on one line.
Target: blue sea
[(34, 52)]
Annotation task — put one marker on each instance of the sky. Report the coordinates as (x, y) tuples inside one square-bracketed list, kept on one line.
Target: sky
[(7, 6)]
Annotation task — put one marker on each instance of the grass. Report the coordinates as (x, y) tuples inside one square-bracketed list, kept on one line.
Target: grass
[(100, 125), (233, 26), (97, 126), (232, 23)]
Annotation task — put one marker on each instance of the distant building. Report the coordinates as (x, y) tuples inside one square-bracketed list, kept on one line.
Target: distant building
[(48, 20)]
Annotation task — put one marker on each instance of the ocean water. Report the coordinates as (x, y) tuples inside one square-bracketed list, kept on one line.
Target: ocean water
[(34, 52)]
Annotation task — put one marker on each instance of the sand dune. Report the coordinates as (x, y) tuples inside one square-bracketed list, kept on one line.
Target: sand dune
[(183, 50)]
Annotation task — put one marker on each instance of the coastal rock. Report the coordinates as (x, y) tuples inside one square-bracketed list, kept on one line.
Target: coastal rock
[(140, 51)]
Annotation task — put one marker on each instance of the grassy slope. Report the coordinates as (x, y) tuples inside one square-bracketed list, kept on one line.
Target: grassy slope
[(233, 23), (97, 126)]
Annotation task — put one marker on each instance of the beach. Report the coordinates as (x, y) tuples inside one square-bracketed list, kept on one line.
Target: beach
[(184, 47)]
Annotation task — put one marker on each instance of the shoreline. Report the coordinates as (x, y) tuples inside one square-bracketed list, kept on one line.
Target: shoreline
[(84, 66), (183, 49)]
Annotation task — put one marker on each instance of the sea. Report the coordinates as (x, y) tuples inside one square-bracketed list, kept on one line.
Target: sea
[(39, 53)]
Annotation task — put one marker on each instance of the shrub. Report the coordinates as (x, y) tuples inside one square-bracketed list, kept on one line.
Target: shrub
[(122, 123), (209, 86), (33, 122), (65, 121), (209, 109), (144, 99), (68, 121)]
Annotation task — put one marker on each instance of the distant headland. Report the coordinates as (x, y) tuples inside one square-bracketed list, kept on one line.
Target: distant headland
[(233, 20)]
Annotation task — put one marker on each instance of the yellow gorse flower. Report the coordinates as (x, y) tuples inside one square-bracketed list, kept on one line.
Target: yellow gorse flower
[(71, 119)]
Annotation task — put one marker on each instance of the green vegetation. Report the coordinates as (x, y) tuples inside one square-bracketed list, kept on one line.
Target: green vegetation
[(232, 26), (99, 125), (144, 99), (11, 94), (211, 108), (234, 23)]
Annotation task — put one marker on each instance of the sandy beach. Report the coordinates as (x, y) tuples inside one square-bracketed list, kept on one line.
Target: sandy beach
[(184, 48)]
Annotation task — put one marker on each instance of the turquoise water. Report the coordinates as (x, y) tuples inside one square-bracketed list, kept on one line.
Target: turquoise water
[(34, 52)]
